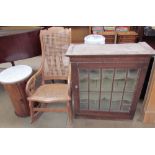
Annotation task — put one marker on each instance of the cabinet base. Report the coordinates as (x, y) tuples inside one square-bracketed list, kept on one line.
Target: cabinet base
[(106, 116)]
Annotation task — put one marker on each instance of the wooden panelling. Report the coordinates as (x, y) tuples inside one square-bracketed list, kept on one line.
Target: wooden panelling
[(18, 97), (110, 37), (78, 33), (149, 102), (127, 37)]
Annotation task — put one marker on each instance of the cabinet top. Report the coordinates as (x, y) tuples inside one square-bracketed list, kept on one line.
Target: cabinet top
[(140, 48)]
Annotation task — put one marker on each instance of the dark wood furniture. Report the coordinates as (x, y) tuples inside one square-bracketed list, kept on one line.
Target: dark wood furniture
[(107, 79), (142, 37), (19, 43)]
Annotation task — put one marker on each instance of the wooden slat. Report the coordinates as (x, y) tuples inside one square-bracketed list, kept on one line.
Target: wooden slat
[(124, 88), (88, 87), (112, 88), (111, 59), (100, 88), (50, 109)]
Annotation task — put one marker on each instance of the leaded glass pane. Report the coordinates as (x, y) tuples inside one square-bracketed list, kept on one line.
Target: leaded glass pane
[(107, 78), (105, 101), (93, 100), (94, 80), (83, 79), (116, 101), (84, 100)]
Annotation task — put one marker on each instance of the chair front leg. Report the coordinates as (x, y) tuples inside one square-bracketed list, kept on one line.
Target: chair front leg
[(36, 114), (31, 111)]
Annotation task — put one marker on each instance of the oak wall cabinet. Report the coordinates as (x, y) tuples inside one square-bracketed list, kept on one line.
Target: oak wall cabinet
[(107, 80)]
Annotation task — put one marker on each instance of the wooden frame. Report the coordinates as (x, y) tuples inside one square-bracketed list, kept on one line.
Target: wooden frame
[(54, 43), (89, 62)]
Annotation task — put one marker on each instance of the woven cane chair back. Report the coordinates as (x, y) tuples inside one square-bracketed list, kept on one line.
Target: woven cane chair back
[(55, 42)]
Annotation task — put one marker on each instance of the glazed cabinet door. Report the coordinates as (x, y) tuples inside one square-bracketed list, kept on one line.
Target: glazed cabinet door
[(107, 90)]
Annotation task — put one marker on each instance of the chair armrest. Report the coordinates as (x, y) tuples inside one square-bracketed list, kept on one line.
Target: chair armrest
[(31, 84)]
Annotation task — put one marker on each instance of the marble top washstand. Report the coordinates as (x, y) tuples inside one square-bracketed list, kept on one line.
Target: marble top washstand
[(15, 74)]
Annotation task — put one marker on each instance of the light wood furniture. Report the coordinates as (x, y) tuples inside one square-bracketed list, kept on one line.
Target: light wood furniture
[(107, 79), (127, 37), (14, 81), (55, 66), (110, 37), (149, 101), (78, 33)]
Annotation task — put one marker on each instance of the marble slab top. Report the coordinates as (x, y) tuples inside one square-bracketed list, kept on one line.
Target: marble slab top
[(15, 74), (140, 48)]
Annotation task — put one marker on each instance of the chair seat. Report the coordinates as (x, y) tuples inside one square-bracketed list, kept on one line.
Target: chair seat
[(50, 93)]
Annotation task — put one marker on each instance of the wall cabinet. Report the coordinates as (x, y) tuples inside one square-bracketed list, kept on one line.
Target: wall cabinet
[(107, 83)]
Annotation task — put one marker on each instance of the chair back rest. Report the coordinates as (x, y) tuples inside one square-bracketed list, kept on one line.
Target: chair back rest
[(54, 43)]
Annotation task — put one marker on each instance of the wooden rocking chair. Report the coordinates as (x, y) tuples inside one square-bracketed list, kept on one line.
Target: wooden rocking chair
[(55, 66)]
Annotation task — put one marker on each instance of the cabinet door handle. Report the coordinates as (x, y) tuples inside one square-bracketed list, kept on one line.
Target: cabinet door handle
[(76, 86)]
